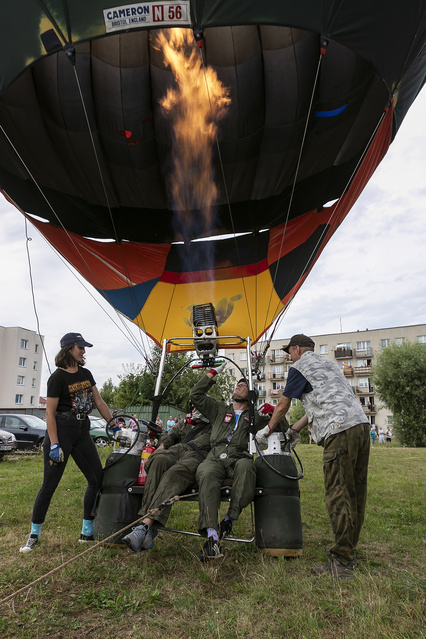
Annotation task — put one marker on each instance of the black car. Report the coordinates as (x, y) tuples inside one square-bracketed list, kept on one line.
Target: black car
[(29, 430)]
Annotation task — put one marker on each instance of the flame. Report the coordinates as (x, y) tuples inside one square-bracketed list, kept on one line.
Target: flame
[(193, 107)]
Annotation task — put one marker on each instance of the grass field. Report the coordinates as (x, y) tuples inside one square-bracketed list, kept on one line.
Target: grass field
[(166, 592)]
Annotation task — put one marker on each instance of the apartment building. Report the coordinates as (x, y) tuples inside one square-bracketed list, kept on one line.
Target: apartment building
[(20, 368), (355, 353)]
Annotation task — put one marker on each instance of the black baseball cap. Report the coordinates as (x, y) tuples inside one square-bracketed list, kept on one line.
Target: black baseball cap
[(74, 338), (299, 340)]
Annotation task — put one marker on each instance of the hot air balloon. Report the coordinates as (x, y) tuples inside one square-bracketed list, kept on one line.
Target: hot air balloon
[(92, 145)]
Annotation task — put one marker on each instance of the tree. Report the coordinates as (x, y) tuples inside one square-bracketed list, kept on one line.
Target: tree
[(399, 378), (137, 383), (107, 392), (296, 412)]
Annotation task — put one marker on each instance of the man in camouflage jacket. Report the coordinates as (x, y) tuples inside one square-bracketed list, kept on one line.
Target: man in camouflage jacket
[(339, 424)]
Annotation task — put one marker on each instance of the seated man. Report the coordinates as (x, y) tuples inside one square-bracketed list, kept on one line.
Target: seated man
[(170, 471), (228, 458)]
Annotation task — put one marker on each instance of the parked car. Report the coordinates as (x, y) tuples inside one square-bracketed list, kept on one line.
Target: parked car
[(29, 430), (8, 443), (98, 431)]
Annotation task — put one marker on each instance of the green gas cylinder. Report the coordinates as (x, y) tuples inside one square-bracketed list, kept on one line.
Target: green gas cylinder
[(278, 522), (116, 505)]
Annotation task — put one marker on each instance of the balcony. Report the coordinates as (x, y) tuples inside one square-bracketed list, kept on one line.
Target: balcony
[(363, 370), (262, 393), (369, 409), (364, 390), (343, 353), (276, 375), (367, 352), (275, 392), (348, 371)]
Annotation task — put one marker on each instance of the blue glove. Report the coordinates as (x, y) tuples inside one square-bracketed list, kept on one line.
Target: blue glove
[(116, 428), (56, 453)]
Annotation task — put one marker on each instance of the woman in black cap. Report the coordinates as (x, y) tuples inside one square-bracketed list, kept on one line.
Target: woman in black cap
[(71, 393)]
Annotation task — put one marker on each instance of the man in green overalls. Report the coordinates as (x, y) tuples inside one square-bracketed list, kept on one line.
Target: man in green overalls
[(229, 457)]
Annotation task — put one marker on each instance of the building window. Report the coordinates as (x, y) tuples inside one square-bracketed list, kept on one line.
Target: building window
[(421, 339), (32, 400), (24, 344), (363, 382), (33, 383), (34, 366), (231, 356), (347, 363), (36, 349), (399, 341), (344, 346), (389, 420), (21, 380), (243, 356), (232, 371), (385, 343), (324, 349), (22, 362), (363, 346), (18, 399)]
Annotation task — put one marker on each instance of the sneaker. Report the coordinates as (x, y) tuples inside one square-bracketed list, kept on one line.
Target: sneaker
[(335, 568), (136, 538), (211, 550), (148, 542), (225, 528), (84, 539), (29, 546)]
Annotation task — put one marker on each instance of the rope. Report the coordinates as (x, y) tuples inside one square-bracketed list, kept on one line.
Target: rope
[(164, 504)]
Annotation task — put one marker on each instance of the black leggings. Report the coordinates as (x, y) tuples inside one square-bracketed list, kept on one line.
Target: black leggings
[(75, 440)]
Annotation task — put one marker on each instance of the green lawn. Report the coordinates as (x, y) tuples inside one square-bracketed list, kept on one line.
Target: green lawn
[(166, 592)]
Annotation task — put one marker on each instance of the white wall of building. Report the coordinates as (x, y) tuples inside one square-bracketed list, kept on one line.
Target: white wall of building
[(20, 368)]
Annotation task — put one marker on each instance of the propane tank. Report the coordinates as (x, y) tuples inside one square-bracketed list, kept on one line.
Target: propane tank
[(147, 451), (278, 522), (116, 506)]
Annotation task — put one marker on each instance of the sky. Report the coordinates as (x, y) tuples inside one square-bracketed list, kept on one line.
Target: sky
[(370, 275)]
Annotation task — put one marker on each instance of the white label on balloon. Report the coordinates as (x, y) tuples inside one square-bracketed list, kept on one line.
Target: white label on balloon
[(141, 14)]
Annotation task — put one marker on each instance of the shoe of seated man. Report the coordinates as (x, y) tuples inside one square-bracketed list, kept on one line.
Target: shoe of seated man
[(335, 568), (148, 542), (85, 539), (225, 528), (211, 550), (29, 545), (136, 538)]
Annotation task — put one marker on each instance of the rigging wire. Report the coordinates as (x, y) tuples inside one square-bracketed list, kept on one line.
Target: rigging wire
[(107, 201), (71, 239), (28, 240)]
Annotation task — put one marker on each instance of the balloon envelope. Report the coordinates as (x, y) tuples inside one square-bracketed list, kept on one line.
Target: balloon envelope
[(317, 91)]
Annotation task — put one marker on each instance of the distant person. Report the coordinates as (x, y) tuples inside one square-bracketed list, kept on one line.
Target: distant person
[(159, 423), (373, 434), (381, 437), (170, 423), (134, 422), (71, 393), (388, 437), (338, 424)]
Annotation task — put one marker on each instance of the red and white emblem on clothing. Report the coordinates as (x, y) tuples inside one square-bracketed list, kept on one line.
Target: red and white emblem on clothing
[(228, 418)]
